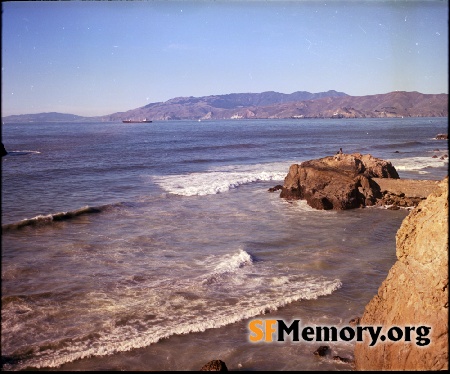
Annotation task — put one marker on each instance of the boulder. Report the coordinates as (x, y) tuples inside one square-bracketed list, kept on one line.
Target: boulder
[(3, 151), (276, 188), (343, 181), (322, 350), (214, 365), (442, 136), (414, 293)]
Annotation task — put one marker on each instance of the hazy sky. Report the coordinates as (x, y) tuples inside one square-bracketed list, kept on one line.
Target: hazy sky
[(101, 57)]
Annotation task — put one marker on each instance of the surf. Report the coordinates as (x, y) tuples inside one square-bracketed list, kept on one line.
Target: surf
[(48, 219)]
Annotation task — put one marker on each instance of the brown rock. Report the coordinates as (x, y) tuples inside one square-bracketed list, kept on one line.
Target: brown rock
[(322, 350), (442, 136), (415, 293), (214, 365), (276, 188), (409, 187), (343, 181)]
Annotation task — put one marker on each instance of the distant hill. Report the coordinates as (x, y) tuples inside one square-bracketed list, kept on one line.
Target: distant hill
[(329, 104), (393, 104), (216, 106), (300, 104), (44, 117)]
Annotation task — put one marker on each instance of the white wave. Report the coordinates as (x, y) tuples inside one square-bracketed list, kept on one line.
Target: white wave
[(226, 271), (231, 263), (23, 152), (182, 306), (223, 179), (418, 163), (125, 338), (302, 206)]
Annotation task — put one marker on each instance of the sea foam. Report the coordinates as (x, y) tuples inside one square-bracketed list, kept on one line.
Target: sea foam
[(418, 164), (219, 180), (240, 301)]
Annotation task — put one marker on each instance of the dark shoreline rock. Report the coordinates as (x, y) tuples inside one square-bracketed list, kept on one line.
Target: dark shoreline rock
[(339, 182), (442, 136), (352, 181), (214, 365), (3, 150), (322, 350), (276, 188)]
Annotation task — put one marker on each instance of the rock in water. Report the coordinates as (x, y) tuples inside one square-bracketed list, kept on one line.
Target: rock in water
[(214, 365), (343, 181), (322, 350), (415, 293), (3, 150)]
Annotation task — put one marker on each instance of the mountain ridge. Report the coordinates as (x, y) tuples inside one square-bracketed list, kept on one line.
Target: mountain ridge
[(270, 105)]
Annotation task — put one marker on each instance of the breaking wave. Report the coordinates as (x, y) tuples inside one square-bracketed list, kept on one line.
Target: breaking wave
[(21, 153), (41, 220), (220, 180), (418, 164), (248, 288)]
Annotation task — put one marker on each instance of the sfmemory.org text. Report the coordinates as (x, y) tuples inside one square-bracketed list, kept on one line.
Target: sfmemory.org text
[(276, 330)]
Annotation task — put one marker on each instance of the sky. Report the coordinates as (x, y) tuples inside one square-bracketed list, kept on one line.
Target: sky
[(93, 58)]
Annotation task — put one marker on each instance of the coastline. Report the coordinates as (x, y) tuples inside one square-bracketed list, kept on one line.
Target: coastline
[(409, 187), (414, 294)]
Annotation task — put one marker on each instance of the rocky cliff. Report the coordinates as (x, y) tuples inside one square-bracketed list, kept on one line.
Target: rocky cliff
[(415, 293)]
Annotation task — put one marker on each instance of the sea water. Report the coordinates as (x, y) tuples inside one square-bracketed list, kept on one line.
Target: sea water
[(152, 246)]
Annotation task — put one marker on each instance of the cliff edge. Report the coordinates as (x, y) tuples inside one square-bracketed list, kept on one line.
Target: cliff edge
[(415, 293)]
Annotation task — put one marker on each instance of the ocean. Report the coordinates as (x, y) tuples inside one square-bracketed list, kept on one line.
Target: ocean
[(150, 246)]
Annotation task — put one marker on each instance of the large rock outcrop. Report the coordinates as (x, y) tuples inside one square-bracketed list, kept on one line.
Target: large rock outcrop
[(415, 293), (343, 181)]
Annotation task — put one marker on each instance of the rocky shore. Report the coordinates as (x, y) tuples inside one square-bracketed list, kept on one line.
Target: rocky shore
[(403, 193), (347, 181), (415, 293)]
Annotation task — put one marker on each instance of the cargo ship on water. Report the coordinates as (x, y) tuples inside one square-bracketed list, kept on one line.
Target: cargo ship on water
[(145, 120)]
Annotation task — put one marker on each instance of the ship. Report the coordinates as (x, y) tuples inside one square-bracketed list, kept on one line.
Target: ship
[(145, 120)]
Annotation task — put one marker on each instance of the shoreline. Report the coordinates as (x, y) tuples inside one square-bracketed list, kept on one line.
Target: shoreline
[(409, 187)]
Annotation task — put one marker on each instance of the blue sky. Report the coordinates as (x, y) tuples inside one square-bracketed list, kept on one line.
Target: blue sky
[(101, 57)]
